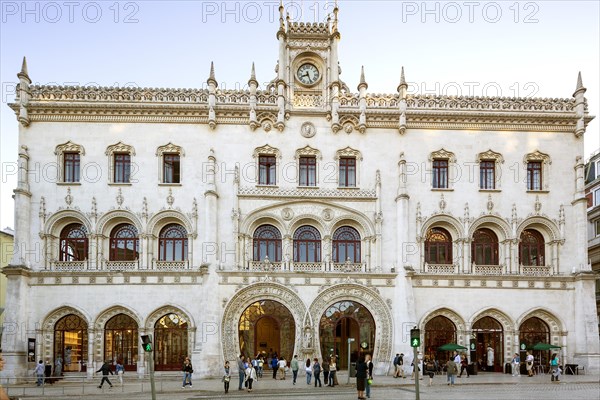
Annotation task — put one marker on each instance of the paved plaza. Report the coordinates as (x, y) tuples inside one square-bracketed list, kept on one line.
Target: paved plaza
[(482, 386)]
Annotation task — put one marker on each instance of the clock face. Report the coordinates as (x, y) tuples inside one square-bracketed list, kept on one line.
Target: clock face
[(308, 74)]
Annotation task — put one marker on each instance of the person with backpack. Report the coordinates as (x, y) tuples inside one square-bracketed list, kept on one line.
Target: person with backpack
[(275, 365), (429, 369), (554, 368), (105, 369), (187, 372)]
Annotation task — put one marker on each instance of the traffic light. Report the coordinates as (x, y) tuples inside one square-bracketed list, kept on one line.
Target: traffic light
[(147, 342), (415, 337)]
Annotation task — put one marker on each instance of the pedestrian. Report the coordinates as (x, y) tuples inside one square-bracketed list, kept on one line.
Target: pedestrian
[(120, 371), (464, 365), (490, 359), (529, 364), (369, 380), (261, 363), (457, 359), (554, 368), (395, 365), (429, 368), (325, 367), (39, 372), (226, 377), (241, 371), (361, 377), (105, 369), (294, 369), (400, 366), (308, 370), (275, 365), (451, 371), (332, 371), (516, 365), (317, 372), (187, 372), (250, 376), (282, 368)]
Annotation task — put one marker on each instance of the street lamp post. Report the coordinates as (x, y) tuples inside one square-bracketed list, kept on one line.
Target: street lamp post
[(350, 340)]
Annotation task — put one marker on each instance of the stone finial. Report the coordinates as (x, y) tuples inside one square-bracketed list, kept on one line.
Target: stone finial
[(253, 77), (24, 73), (211, 78), (362, 83), (402, 80), (580, 86)]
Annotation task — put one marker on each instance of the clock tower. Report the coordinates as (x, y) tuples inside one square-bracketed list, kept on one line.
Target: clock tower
[(308, 70)]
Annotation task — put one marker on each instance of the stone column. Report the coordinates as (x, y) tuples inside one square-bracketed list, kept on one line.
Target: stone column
[(91, 365)]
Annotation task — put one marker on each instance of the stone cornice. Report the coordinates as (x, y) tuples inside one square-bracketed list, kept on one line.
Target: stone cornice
[(93, 104)]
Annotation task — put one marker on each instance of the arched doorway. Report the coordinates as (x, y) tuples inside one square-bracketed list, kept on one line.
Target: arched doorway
[(439, 331), (170, 342), (71, 342), (267, 327), (342, 321), (488, 336), (533, 330), (121, 341)]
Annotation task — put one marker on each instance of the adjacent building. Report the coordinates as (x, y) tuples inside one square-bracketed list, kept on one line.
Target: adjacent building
[(592, 193), (291, 218)]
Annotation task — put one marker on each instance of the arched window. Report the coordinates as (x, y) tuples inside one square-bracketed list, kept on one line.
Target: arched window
[(307, 244), (438, 332), (124, 243), (121, 341), (267, 242), (73, 243), (531, 248), (438, 246), (485, 247), (71, 342), (170, 342), (346, 245), (172, 243)]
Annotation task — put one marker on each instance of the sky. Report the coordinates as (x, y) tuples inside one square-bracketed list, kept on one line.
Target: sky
[(501, 48)]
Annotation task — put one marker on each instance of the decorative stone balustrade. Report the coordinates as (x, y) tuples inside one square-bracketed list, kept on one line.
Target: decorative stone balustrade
[(69, 265)]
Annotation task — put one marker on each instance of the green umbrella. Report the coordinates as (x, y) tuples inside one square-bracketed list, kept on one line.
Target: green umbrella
[(544, 346), (451, 347)]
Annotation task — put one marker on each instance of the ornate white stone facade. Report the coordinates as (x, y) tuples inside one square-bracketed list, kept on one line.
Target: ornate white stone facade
[(394, 140)]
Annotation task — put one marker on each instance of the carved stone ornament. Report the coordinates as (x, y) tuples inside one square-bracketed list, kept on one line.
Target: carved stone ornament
[(327, 214), (443, 154), (170, 148), (287, 214), (120, 199), (68, 197), (308, 130)]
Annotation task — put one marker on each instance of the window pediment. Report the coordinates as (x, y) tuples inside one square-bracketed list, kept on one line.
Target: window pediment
[(348, 152), (490, 155), (308, 151), (266, 150), (120, 148), (443, 154), (170, 148), (69, 147), (537, 156)]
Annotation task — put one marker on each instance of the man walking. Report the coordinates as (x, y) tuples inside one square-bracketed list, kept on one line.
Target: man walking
[(294, 369), (105, 369), (241, 371)]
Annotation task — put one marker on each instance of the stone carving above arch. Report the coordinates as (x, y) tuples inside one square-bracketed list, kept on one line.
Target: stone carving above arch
[(55, 221), (493, 222), (170, 148), (556, 326), (546, 227), (69, 147), (105, 220), (155, 223), (442, 154), (456, 319), (507, 323), (119, 148), (157, 314), (368, 298), (443, 221), (251, 294), (110, 312), (308, 151), (266, 150)]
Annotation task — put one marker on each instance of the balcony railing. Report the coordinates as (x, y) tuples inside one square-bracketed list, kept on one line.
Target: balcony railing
[(171, 265), (535, 270), (491, 270), (69, 265), (289, 266), (121, 265), (440, 268), (488, 269)]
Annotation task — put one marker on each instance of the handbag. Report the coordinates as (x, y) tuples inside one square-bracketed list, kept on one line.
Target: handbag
[(370, 381)]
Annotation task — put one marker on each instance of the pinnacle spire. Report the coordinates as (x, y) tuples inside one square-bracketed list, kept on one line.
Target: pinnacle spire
[(211, 77), (580, 86), (23, 74), (24, 67), (253, 76), (362, 82), (402, 79)]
